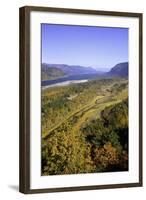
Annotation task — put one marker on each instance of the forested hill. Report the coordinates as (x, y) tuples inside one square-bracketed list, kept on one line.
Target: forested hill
[(85, 127), (51, 73), (119, 70), (68, 69)]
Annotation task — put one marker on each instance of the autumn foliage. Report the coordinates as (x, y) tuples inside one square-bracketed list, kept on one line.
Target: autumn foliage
[(78, 145)]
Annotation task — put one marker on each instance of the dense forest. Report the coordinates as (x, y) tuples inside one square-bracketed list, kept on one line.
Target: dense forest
[(85, 127)]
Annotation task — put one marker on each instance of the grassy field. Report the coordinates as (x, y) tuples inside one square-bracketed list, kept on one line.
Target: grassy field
[(68, 110)]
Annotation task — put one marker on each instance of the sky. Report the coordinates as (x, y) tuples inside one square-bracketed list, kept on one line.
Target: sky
[(98, 47)]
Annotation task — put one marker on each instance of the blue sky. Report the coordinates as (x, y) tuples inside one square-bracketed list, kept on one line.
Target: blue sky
[(99, 47)]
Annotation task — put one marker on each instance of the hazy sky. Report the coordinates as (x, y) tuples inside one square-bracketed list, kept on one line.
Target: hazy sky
[(99, 47)]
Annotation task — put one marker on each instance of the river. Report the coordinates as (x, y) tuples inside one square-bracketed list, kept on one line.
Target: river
[(68, 80)]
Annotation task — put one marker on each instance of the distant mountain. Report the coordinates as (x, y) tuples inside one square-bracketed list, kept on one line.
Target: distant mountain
[(71, 69), (55, 71), (49, 73), (119, 70)]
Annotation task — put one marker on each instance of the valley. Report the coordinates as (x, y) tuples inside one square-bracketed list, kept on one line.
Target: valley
[(71, 115)]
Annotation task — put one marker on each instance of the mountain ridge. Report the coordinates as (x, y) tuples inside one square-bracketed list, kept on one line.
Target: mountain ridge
[(71, 69), (119, 70), (54, 71), (51, 73)]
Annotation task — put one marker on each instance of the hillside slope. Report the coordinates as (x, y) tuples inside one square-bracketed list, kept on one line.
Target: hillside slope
[(119, 70), (49, 73)]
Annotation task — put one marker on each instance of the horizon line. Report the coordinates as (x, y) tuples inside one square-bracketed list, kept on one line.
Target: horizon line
[(91, 66)]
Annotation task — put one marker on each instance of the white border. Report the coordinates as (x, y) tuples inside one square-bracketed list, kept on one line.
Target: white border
[(132, 176)]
